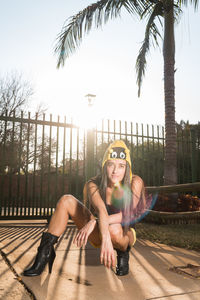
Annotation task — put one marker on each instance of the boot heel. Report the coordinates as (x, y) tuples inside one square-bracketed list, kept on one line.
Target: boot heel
[(51, 261)]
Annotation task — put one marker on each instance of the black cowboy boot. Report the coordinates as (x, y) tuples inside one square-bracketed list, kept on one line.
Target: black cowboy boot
[(122, 262), (45, 254)]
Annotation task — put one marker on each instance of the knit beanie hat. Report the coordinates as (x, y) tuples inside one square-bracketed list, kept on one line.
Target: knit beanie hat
[(117, 150)]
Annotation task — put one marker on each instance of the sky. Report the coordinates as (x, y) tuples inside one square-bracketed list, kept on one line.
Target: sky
[(104, 64)]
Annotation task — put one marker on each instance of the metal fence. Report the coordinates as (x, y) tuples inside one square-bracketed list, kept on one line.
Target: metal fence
[(41, 159)]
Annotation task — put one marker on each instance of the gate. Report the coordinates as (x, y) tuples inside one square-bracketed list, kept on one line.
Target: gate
[(40, 159)]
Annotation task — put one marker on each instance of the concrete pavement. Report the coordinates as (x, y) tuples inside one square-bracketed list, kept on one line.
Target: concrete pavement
[(10, 287), (78, 275)]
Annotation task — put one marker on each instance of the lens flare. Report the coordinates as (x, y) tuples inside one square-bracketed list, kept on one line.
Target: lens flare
[(118, 196), (133, 208)]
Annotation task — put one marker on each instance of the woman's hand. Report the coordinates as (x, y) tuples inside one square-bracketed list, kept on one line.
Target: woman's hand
[(107, 256), (83, 234)]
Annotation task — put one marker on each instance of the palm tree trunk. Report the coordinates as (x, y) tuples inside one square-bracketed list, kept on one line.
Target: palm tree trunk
[(170, 164)]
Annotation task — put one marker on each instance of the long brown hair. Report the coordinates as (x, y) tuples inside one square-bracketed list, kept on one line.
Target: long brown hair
[(101, 182), (128, 213), (104, 180)]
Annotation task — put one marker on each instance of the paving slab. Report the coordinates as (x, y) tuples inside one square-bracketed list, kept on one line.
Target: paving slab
[(10, 287), (78, 275)]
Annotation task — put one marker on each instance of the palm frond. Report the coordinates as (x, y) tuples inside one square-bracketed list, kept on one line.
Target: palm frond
[(135, 6), (195, 3), (177, 12), (151, 31), (96, 14), (149, 7)]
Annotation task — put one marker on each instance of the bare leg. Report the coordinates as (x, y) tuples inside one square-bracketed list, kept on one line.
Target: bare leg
[(131, 237), (67, 206), (119, 238)]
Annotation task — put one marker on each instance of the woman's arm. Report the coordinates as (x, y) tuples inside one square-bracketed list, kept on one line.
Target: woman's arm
[(107, 252), (137, 187)]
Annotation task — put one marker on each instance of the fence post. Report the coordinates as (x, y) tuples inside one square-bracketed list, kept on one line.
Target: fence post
[(193, 155), (90, 154)]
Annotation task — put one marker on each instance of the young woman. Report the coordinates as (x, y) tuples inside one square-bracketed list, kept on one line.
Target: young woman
[(115, 209)]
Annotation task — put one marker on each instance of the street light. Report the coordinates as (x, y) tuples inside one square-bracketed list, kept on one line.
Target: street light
[(90, 139), (90, 99)]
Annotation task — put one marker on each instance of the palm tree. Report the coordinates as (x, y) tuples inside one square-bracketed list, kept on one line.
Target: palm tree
[(163, 12)]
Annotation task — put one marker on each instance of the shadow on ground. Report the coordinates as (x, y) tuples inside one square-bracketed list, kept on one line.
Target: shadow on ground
[(78, 274)]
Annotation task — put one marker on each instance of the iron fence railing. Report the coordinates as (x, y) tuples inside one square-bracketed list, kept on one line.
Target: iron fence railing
[(42, 159)]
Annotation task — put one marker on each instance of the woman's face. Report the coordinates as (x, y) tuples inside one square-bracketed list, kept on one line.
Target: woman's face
[(116, 170)]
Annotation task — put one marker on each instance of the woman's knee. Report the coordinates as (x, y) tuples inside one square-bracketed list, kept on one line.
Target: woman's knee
[(116, 233), (66, 200)]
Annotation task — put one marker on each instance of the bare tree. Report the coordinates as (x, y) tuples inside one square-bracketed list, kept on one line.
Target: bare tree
[(17, 140), (15, 93)]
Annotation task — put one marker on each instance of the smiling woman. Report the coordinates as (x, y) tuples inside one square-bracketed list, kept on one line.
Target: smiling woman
[(109, 232), (116, 170)]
